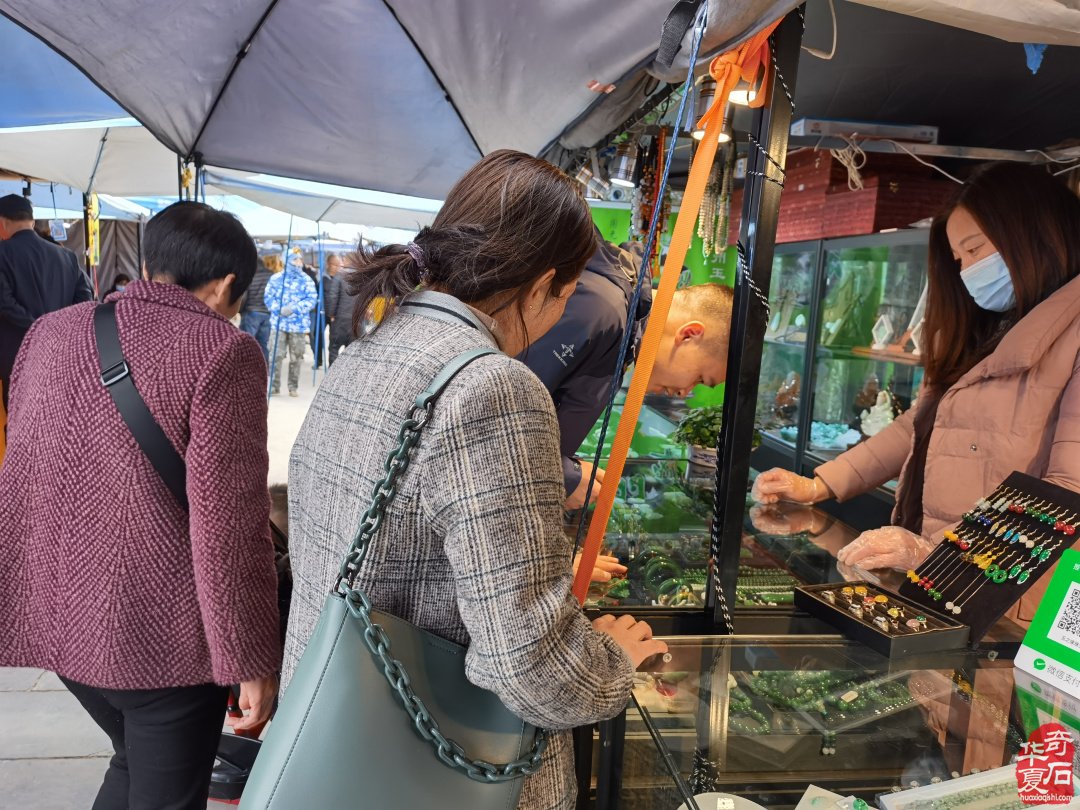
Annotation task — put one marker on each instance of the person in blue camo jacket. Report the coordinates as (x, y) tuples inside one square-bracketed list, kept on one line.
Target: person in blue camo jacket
[(290, 296)]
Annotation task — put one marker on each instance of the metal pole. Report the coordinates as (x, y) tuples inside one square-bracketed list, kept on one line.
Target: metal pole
[(281, 298), (761, 207), (320, 313)]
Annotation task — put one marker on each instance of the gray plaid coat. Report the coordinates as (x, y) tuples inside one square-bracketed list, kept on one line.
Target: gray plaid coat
[(472, 548)]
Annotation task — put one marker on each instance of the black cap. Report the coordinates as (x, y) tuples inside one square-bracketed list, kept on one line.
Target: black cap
[(17, 207)]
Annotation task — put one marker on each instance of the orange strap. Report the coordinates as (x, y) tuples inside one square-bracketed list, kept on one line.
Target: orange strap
[(747, 62)]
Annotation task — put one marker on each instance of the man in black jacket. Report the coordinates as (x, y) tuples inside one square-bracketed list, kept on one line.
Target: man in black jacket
[(576, 358), (36, 277)]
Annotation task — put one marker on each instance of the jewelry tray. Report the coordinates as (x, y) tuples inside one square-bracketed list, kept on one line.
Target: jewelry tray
[(990, 601), (942, 633)]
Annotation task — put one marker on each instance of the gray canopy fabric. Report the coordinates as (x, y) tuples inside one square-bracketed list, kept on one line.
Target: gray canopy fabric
[(331, 203), (401, 95), (404, 95)]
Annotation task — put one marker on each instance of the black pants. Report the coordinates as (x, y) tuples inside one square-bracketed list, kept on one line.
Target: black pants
[(165, 741)]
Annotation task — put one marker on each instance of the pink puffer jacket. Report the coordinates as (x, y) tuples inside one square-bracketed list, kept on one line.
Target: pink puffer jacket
[(1019, 409)]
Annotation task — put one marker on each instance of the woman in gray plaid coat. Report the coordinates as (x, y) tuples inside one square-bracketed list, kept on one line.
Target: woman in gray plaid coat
[(472, 548)]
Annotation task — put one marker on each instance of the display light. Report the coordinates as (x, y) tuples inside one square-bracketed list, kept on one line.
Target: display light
[(623, 165)]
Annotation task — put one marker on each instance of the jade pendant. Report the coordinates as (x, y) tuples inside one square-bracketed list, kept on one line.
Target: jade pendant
[(1024, 577), (1000, 575), (1015, 571), (1045, 555)]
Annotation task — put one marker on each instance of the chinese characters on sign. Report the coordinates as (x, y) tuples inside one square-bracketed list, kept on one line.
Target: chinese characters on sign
[(1044, 770)]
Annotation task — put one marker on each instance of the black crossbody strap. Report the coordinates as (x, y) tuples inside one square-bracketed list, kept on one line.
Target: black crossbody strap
[(116, 377)]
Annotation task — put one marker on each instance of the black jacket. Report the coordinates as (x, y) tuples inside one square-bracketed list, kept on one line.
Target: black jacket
[(341, 310), (576, 358), (253, 298), (36, 277)]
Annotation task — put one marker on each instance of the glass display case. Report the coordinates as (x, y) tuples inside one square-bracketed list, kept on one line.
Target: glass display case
[(864, 370), (763, 719), (853, 365), (786, 352)]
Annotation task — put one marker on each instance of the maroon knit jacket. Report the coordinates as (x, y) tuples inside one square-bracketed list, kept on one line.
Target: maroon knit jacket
[(104, 578)]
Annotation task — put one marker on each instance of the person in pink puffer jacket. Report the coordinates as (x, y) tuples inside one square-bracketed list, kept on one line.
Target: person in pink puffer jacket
[(1002, 359)]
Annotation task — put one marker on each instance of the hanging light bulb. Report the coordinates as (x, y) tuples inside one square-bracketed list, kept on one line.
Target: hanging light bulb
[(706, 90), (623, 165), (726, 132), (743, 94)]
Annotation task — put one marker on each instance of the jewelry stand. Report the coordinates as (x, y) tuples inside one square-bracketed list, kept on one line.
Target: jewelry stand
[(1000, 549)]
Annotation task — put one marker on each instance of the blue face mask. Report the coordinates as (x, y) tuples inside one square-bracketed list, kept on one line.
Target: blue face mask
[(990, 284)]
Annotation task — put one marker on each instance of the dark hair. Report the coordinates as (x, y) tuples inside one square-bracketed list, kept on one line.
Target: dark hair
[(510, 218), (192, 244), (1033, 221)]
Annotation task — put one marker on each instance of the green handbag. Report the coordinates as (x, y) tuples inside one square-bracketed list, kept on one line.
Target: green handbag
[(340, 738)]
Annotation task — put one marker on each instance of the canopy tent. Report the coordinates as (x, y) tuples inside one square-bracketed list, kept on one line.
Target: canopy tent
[(404, 95), (115, 157), (326, 203)]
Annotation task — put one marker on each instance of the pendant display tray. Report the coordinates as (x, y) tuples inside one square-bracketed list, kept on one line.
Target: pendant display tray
[(940, 633)]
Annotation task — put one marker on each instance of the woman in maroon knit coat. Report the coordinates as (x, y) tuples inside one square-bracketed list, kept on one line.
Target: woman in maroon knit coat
[(146, 610)]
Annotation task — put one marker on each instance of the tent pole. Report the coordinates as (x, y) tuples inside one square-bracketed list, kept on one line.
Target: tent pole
[(281, 298), (86, 242), (757, 234), (320, 314)]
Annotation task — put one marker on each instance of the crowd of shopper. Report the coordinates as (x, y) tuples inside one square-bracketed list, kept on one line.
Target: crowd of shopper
[(149, 603)]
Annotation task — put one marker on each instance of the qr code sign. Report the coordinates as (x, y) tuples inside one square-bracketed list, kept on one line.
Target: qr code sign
[(1066, 627)]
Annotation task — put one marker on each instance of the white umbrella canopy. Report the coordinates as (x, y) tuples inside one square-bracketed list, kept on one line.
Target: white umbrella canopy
[(115, 157), (328, 203)]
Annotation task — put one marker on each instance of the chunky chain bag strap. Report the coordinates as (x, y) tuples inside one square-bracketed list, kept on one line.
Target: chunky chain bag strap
[(375, 638)]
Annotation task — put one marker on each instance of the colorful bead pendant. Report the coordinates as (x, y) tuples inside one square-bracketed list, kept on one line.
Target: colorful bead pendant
[(912, 576)]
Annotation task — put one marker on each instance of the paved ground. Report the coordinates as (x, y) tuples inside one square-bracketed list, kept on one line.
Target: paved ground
[(52, 756)]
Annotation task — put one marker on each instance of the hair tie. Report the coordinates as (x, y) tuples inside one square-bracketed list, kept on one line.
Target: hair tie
[(416, 253)]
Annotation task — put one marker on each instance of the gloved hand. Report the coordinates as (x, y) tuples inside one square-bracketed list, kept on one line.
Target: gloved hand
[(777, 485), (286, 311), (887, 547)]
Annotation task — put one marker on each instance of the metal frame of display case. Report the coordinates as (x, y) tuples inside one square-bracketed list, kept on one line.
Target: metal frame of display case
[(757, 233)]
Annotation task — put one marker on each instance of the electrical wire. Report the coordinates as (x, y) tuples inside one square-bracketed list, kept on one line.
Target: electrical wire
[(852, 158), (901, 146), (832, 51), (1051, 158)]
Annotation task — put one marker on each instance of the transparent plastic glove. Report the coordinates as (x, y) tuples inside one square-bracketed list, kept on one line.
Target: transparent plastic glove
[(777, 485), (887, 547), (286, 312)]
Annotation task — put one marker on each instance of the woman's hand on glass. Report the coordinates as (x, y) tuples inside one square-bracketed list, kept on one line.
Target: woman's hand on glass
[(775, 485), (634, 637), (887, 547), (604, 570)]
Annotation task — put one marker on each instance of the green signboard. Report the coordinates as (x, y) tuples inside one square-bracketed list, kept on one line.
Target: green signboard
[(1051, 649)]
